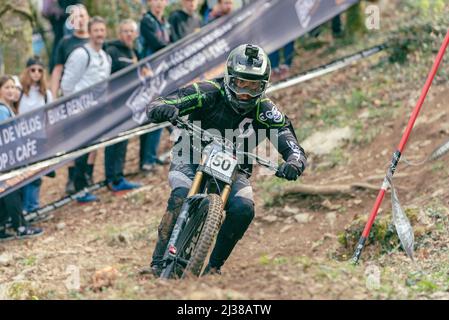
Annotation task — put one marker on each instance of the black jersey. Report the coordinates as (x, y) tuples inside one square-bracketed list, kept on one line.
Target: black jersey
[(206, 104)]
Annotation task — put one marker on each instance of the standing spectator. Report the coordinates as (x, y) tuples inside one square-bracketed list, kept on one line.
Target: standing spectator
[(185, 21), (155, 32), (154, 29), (79, 19), (122, 54), (11, 204), (56, 13), (282, 71), (86, 66), (222, 8), (35, 94), (17, 94)]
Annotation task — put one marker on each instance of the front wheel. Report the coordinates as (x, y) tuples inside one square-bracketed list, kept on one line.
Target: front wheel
[(213, 204), (196, 239)]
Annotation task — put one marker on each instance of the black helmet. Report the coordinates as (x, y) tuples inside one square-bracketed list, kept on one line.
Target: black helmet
[(247, 73)]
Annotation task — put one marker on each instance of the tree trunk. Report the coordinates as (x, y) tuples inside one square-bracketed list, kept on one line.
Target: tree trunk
[(15, 34), (355, 20)]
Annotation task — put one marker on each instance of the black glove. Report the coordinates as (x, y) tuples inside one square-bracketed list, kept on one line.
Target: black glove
[(290, 170), (163, 113)]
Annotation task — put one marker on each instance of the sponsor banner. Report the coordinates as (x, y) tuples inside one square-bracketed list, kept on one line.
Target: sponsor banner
[(118, 104)]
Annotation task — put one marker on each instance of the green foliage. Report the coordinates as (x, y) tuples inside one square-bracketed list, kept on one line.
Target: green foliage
[(29, 261), (337, 157), (25, 291), (355, 101), (265, 260), (364, 133), (115, 11), (267, 186)]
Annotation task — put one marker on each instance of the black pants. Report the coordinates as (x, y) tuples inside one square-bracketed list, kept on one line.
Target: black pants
[(83, 172), (11, 206), (57, 25), (239, 214), (114, 161)]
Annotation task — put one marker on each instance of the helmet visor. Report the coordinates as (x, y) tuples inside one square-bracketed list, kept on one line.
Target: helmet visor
[(253, 88)]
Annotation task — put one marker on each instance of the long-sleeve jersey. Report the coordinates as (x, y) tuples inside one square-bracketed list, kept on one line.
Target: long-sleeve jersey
[(206, 104)]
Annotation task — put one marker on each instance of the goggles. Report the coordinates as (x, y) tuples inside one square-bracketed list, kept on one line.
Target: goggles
[(254, 88)]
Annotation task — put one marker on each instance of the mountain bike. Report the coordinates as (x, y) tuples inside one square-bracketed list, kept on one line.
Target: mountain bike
[(201, 214)]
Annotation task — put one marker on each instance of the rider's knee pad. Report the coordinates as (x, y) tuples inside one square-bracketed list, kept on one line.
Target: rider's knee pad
[(176, 199), (241, 210), (239, 216)]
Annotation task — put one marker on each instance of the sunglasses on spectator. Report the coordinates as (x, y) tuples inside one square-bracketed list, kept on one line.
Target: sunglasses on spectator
[(33, 70)]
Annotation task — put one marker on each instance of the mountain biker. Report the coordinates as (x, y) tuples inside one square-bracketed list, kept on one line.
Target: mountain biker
[(235, 102)]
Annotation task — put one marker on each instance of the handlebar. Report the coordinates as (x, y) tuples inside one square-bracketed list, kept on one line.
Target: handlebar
[(207, 137)]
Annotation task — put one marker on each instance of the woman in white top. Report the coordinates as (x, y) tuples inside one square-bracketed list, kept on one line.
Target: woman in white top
[(35, 94)]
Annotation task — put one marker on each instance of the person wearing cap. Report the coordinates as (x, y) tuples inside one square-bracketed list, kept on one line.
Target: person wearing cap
[(35, 90), (35, 94)]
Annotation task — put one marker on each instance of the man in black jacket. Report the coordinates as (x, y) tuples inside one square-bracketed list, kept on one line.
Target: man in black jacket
[(154, 36), (123, 55), (185, 21), (235, 103)]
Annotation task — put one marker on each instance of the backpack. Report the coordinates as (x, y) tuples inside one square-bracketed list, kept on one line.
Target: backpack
[(88, 57)]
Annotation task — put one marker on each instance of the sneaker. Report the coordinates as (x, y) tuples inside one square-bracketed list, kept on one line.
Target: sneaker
[(123, 185), (5, 236), (211, 270), (28, 232), (86, 198)]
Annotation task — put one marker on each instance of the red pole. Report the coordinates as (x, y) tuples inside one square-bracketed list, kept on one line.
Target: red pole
[(401, 146)]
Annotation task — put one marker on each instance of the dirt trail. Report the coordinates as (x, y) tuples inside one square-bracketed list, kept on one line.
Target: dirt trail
[(272, 260)]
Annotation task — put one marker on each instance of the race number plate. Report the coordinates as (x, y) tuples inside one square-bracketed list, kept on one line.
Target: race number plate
[(221, 165)]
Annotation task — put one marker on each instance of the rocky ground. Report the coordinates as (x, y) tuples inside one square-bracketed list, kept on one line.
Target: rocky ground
[(298, 245)]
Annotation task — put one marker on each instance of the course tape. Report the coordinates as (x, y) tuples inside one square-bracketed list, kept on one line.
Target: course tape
[(436, 154), (44, 212)]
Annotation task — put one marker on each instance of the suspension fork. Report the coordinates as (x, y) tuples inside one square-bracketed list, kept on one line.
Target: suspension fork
[(225, 194), (196, 184), (184, 212)]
